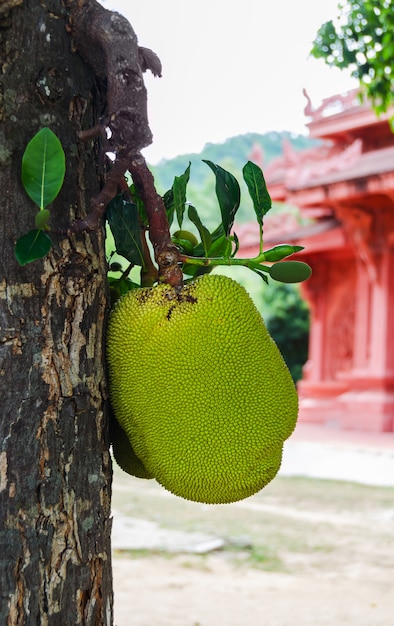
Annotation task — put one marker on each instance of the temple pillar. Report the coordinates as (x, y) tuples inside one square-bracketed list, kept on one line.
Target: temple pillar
[(348, 379), (369, 402), (329, 292)]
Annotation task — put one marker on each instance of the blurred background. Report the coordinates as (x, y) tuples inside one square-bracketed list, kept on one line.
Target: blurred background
[(239, 83)]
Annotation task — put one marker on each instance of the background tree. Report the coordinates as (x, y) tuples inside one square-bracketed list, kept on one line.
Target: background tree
[(361, 40), (55, 469), (286, 316)]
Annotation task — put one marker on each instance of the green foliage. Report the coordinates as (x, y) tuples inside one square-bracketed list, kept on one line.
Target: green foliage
[(228, 194), (361, 39), (123, 220), (287, 319), (41, 219), (34, 245), (179, 194), (43, 170), (258, 191), (218, 245), (206, 238), (43, 167)]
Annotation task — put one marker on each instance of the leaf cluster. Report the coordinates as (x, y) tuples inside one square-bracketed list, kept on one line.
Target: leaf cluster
[(361, 40), (43, 170), (205, 248)]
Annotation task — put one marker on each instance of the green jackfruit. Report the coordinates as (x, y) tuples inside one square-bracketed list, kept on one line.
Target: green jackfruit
[(200, 389), (123, 452)]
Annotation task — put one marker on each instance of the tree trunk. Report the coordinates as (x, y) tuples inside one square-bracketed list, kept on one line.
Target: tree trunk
[(55, 468)]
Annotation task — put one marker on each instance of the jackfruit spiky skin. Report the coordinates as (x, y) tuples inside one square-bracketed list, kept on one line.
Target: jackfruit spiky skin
[(200, 388), (124, 454)]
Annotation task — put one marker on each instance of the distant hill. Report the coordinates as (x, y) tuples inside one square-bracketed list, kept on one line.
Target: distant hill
[(231, 155)]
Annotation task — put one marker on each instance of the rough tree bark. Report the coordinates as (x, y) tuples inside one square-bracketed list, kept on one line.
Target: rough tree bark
[(55, 469)]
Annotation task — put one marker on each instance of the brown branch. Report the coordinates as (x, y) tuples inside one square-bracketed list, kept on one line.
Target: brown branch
[(100, 202), (149, 270), (166, 253), (107, 41)]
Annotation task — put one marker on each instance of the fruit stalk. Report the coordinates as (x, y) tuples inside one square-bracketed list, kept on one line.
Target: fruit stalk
[(271, 256), (254, 263), (166, 253)]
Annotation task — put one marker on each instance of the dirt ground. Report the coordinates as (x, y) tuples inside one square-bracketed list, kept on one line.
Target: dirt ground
[(303, 551), (183, 592)]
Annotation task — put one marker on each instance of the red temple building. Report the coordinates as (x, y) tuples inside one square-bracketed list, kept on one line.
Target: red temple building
[(344, 189)]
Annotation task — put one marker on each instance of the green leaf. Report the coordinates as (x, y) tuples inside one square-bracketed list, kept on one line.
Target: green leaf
[(34, 245), (203, 231), (185, 240), (168, 200), (123, 220), (216, 251), (359, 40), (235, 239), (184, 245), (136, 199), (186, 235), (290, 271), (179, 194), (255, 182), (228, 194), (194, 271), (43, 167), (122, 284), (261, 274), (42, 218), (221, 247), (218, 233)]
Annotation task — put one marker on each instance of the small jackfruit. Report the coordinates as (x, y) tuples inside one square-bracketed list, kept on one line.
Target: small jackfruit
[(200, 389)]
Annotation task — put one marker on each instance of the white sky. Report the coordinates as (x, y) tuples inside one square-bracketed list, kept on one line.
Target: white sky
[(229, 67)]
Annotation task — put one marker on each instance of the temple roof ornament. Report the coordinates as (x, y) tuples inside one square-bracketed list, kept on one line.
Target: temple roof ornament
[(354, 143), (334, 105)]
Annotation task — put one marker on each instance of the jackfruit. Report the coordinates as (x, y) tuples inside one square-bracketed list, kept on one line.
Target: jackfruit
[(123, 452), (200, 389)]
